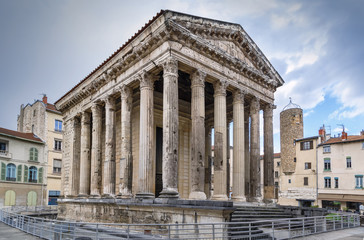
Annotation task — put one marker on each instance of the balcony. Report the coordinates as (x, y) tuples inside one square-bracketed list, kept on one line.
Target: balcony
[(5, 154), (13, 179)]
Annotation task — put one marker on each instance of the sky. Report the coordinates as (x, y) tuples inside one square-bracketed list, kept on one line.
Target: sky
[(316, 46)]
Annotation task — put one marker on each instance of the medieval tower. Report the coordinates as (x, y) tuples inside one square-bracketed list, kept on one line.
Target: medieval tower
[(291, 122)]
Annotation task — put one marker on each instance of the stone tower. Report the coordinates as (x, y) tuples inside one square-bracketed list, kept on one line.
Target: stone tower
[(291, 123)]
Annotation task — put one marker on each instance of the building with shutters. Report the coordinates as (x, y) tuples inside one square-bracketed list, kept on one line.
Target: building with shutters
[(340, 171), (23, 169), (45, 121)]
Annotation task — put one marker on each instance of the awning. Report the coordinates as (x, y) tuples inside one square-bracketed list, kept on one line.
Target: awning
[(341, 197)]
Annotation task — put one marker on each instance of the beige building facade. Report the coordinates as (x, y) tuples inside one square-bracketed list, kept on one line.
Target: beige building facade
[(45, 121), (22, 167), (138, 128), (340, 172)]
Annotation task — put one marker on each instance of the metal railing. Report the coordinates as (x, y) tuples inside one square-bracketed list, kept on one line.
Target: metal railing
[(268, 229)]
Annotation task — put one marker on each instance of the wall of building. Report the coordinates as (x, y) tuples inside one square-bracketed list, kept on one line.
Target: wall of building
[(20, 156), (346, 190)]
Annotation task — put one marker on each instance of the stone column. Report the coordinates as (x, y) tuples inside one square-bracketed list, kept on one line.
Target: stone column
[(220, 151), (85, 165), (109, 162), (76, 139), (255, 151), (208, 161), (170, 129), (96, 150), (239, 147), (198, 135), (228, 158), (268, 152), (247, 151), (126, 155), (146, 142)]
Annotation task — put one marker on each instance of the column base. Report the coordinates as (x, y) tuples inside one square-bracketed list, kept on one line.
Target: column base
[(107, 195), (95, 196), (145, 195), (81, 195), (169, 193), (124, 196), (197, 196), (220, 197), (239, 199)]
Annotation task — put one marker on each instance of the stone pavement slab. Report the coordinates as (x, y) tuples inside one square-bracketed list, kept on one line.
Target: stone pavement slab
[(7, 232), (347, 234)]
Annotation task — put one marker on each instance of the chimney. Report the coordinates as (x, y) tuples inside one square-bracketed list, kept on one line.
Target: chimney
[(362, 133), (45, 99), (322, 133), (344, 136)]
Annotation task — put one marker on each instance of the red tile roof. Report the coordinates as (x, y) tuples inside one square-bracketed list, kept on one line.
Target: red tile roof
[(352, 138), (16, 134), (52, 108)]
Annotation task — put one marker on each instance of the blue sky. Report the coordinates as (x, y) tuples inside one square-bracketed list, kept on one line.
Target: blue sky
[(316, 46)]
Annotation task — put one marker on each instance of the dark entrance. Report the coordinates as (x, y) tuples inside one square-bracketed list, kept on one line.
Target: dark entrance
[(158, 161)]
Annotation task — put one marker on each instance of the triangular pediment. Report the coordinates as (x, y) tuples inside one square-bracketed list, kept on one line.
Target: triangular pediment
[(229, 38)]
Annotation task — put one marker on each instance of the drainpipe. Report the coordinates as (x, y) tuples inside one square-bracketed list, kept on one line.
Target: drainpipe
[(317, 175)]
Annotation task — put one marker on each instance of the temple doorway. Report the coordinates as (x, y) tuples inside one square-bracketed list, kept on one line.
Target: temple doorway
[(158, 161)]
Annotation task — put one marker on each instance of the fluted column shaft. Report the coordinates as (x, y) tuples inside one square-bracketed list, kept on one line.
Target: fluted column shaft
[(268, 150), (220, 151), (239, 147), (255, 151), (75, 151), (208, 161), (126, 155), (146, 144), (85, 164), (96, 150), (170, 128), (198, 135), (109, 163), (247, 151)]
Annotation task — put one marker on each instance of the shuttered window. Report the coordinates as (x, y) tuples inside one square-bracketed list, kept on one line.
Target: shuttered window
[(3, 171), (25, 174), (33, 154), (18, 177), (40, 175)]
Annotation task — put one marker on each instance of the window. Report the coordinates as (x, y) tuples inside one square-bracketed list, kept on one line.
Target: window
[(327, 149), (57, 145), (276, 174), (358, 181), (34, 112), (289, 180), (57, 165), (278, 164), (276, 184), (327, 182), (307, 145), (32, 174), (307, 165), (327, 164), (3, 149), (348, 162), (33, 154), (58, 126), (305, 181), (336, 182), (11, 172), (52, 197), (294, 159)]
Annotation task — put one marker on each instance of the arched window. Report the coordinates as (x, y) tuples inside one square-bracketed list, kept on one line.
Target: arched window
[(11, 172), (33, 154), (9, 198), (32, 199), (33, 174)]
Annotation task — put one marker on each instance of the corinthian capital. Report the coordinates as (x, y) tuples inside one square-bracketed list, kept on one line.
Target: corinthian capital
[(220, 87), (254, 105), (238, 96), (170, 66), (125, 91), (146, 80), (268, 110), (198, 78)]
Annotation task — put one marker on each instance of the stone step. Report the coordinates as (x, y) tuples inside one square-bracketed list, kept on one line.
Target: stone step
[(259, 213), (260, 209)]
